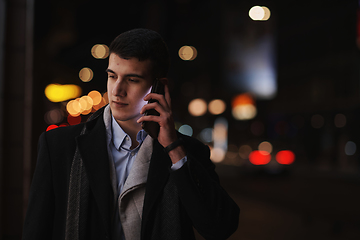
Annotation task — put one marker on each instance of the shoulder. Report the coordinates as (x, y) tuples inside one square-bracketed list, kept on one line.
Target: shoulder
[(69, 132)]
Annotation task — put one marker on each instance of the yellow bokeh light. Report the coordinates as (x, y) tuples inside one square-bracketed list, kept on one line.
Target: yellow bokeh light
[(100, 51), (187, 53), (60, 93), (197, 107), (265, 146), (95, 96), (86, 74), (217, 106)]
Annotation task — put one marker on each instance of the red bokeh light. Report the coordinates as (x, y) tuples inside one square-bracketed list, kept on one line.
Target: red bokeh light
[(285, 157), (73, 120), (53, 126), (259, 157)]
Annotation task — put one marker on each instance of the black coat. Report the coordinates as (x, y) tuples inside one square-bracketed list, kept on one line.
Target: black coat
[(201, 201)]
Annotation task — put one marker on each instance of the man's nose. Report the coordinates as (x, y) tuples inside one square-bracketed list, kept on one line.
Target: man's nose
[(119, 88)]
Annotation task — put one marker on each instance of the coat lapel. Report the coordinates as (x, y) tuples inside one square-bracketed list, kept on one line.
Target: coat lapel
[(93, 150), (158, 175), (139, 170)]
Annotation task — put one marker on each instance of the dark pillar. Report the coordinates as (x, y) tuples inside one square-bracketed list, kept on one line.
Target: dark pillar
[(15, 113)]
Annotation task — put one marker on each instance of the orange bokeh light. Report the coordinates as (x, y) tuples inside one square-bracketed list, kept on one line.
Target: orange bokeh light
[(286, 157), (242, 99), (259, 157), (96, 97)]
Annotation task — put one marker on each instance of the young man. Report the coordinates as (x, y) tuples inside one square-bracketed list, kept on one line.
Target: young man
[(108, 179)]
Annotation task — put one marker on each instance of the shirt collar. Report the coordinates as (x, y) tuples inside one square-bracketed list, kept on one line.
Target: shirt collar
[(121, 139)]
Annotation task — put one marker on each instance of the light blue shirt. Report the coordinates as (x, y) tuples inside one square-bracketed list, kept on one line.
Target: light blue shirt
[(123, 157)]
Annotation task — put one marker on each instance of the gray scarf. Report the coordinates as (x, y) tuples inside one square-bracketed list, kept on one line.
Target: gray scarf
[(78, 196)]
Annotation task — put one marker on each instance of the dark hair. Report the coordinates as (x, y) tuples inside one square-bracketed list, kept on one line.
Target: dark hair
[(143, 44)]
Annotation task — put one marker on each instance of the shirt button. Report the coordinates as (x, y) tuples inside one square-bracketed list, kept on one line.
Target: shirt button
[(132, 154), (127, 138)]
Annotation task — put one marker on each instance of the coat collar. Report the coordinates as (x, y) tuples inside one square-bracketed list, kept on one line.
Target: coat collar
[(93, 150)]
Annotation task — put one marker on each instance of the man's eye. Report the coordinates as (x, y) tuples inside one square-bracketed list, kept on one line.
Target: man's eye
[(133, 80), (111, 76)]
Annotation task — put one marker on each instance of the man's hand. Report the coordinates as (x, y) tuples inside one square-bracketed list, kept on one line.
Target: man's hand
[(167, 132)]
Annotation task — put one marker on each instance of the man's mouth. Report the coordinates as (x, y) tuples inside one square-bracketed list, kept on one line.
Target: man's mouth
[(120, 104)]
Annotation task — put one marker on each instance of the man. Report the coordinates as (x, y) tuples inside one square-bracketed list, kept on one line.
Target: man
[(108, 179)]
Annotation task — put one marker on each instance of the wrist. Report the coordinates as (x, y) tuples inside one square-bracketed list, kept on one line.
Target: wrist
[(173, 145)]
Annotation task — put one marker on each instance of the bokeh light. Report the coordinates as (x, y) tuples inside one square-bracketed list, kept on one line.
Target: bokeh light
[(73, 120), (186, 130), (350, 148), (243, 107), (73, 108), (197, 107), (187, 53), (86, 74), (100, 51), (220, 131), (53, 116), (317, 121), (95, 96), (244, 112), (60, 93), (244, 151), (258, 13), (103, 102), (86, 104), (258, 157), (217, 106), (265, 146), (285, 157), (267, 14), (52, 126), (206, 135), (106, 97), (340, 120), (232, 151), (217, 155)]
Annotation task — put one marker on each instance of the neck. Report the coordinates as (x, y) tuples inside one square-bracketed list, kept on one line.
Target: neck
[(132, 129)]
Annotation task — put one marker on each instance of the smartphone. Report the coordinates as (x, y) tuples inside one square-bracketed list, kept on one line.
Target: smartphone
[(152, 128)]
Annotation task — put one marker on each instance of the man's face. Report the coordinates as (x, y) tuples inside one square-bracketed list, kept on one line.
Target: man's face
[(129, 81)]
